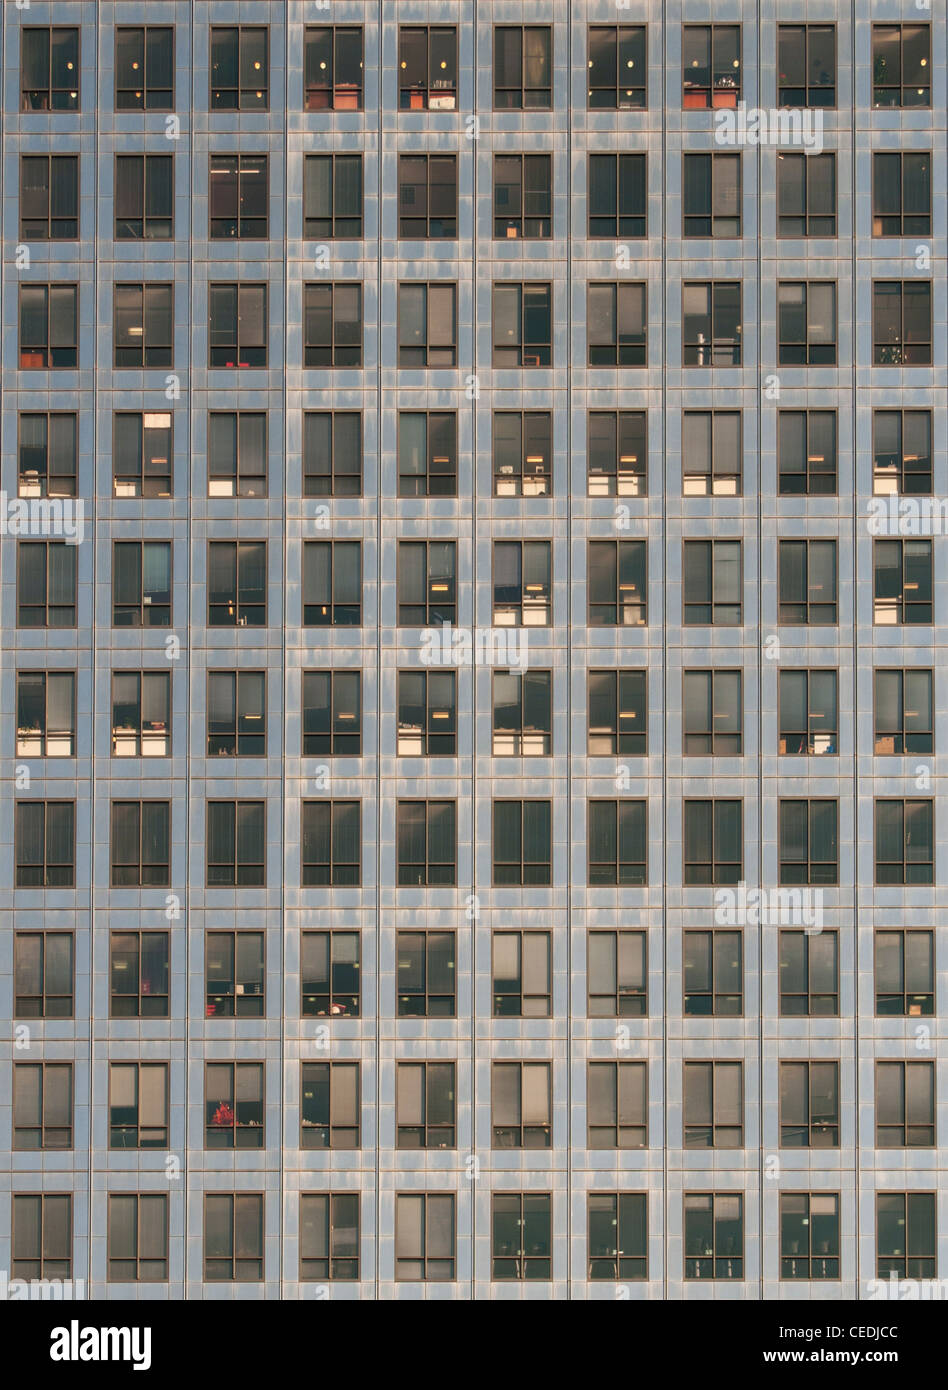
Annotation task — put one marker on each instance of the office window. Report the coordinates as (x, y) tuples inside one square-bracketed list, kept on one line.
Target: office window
[(237, 583), (332, 453), (806, 195), (522, 319), (808, 841), (425, 974), (809, 1235), (521, 1105), (233, 1105), (427, 67), (523, 453), (234, 980), (426, 583), (330, 979), (905, 1105), (713, 1099), (427, 453), (48, 453), (710, 65), (617, 1235), (332, 196), (237, 325), (238, 195), (141, 714), (617, 453), (233, 1236), (49, 68), (46, 714), (522, 843), (901, 65), (712, 448), (523, 196), (45, 584), (901, 194), (806, 452), (141, 584), (42, 1105), (331, 843), (618, 64), (523, 67), (905, 841), (521, 1235), (903, 582), (808, 713), (806, 323), (424, 1105), (901, 452), (332, 67), (809, 1105), (144, 197), (806, 65), (332, 583), (711, 195), (143, 325), (904, 711), (43, 974), (616, 974), (425, 1236), (138, 1237), (618, 834), (240, 68), (49, 327), (617, 583), (144, 67), (711, 314), (329, 1105), (138, 974), (714, 1235), (522, 706), (522, 974), (807, 583), (714, 841), (427, 196), (427, 714), (329, 1236), (617, 324), (713, 974), (901, 323), (138, 1105), (332, 713), (237, 453), (617, 195), (236, 844), (906, 1235), (45, 834), (49, 197), (332, 325), (427, 325), (42, 1233), (808, 973), (617, 713), (236, 714), (712, 712), (713, 581), (426, 836), (142, 453), (141, 844), (905, 974), (617, 1105), (522, 583)]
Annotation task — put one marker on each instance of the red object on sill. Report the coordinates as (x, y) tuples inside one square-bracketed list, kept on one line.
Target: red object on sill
[(223, 1116), (725, 99), (32, 360), (692, 101)]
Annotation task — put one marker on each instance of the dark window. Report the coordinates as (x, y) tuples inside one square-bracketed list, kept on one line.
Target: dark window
[(42, 1234), (904, 711), (522, 583), (427, 841), (521, 1235), (713, 1105), (617, 583), (809, 974), (712, 448), (332, 453), (711, 195), (808, 841), (809, 1235), (49, 197), (905, 974), (901, 194), (806, 452), (905, 1105), (806, 323), (427, 714), (523, 67), (141, 584), (233, 1105), (141, 844), (49, 69), (807, 583), (425, 1236), (713, 974), (332, 583), (331, 843), (521, 1106), (141, 714), (45, 714), (332, 67), (332, 196), (617, 1105), (905, 841), (618, 63), (138, 1105), (45, 584), (233, 1236), (713, 583), (425, 974), (142, 453), (236, 844), (710, 65), (522, 317), (617, 196), (903, 582), (49, 327), (144, 197), (523, 453), (806, 64), (329, 1105), (138, 974), (712, 713), (237, 325), (901, 451), (236, 714), (234, 978), (714, 1235), (522, 840), (617, 713), (616, 974), (332, 713), (427, 196), (808, 712), (240, 67), (806, 195), (427, 453), (48, 453), (714, 841), (43, 974), (143, 325), (237, 453), (523, 196), (329, 1235), (426, 583), (618, 836), (522, 707), (144, 68), (237, 583), (138, 1237), (901, 64), (617, 324), (618, 1235), (332, 325), (522, 974), (45, 844), (901, 323), (42, 1105), (617, 453), (424, 1105), (906, 1234), (427, 67), (239, 188), (330, 974), (427, 325), (711, 313)]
